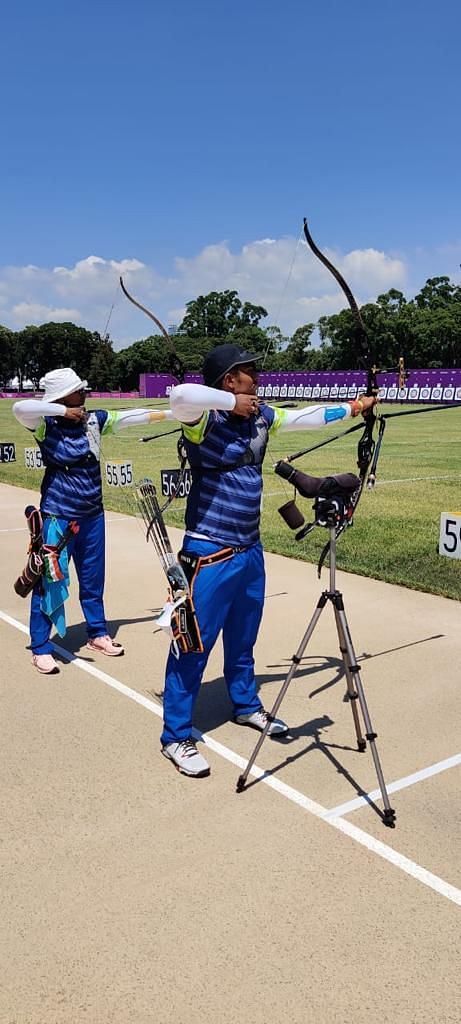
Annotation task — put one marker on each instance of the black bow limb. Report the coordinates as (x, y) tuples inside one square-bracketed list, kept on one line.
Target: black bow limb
[(176, 366), (366, 459)]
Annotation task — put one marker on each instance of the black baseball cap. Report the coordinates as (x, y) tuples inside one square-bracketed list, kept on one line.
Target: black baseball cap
[(223, 358)]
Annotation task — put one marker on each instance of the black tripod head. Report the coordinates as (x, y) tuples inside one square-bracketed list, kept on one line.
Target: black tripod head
[(333, 498)]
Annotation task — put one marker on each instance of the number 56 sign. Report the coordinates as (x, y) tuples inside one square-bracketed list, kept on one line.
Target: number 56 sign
[(450, 535)]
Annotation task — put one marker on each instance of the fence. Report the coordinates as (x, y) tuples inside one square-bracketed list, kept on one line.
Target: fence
[(333, 385)]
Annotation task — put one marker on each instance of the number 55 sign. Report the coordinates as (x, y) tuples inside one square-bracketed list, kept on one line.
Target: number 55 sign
[(450, 535), (119, 474)]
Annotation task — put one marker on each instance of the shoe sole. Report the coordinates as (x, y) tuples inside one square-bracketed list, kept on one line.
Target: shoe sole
[(108, 654), (189, 775), (272, 735), (47, 672)]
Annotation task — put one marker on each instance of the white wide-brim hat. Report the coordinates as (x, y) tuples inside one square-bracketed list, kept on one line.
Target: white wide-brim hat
[(60, 383)]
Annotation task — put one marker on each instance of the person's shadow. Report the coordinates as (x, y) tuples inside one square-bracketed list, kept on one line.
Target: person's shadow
[(213, 706), (76, 636)]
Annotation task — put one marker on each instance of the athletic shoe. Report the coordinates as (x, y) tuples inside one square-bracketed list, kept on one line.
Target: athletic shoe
[(186, 758), (258, 720), (45, 664), (105, 645)]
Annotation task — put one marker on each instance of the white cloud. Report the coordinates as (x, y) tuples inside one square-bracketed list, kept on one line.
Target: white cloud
[(280, 274), (34, 313)]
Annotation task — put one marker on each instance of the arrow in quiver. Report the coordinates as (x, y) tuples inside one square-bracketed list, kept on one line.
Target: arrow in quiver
[(42, 558), (180, 611)]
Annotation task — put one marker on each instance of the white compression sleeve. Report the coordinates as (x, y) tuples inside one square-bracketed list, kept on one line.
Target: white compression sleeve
[(313, 416), (189, 401), (32, 410), (136, 417)]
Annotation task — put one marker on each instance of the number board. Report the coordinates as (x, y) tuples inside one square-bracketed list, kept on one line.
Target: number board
[(119, 474), (7, 451), (33, 458), (169, 481), (450, 535)]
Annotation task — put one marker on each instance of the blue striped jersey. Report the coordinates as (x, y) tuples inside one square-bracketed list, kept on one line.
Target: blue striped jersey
[(72, 486), (226, 453)]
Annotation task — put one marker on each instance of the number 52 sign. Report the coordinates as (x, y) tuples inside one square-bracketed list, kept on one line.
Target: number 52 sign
[(450, 535)]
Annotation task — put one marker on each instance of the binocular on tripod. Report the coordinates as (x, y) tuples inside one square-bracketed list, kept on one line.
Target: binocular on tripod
[(333, 498)]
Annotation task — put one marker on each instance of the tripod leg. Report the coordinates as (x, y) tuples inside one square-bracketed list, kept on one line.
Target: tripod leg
[(294, 665), (351, 690), (354, 669)]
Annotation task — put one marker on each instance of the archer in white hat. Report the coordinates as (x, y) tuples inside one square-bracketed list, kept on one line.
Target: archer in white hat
[(69, 439), (62, 383)]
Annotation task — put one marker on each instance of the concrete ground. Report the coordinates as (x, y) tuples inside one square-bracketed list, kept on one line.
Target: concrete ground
[(133, 894)]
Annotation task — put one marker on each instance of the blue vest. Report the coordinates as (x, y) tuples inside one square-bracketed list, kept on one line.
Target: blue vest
[(224, 502), (72, 486)]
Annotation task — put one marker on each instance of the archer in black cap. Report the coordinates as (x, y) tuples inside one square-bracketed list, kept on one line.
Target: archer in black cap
[(222, 359), (226, 427)]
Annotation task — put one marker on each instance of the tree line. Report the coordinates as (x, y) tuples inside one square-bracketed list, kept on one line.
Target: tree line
[(425, 330)]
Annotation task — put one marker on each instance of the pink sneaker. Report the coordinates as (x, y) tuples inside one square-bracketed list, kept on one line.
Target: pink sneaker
[(45, 664), (105, 645)]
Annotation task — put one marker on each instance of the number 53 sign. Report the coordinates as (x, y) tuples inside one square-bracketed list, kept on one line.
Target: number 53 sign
[(450, 535)]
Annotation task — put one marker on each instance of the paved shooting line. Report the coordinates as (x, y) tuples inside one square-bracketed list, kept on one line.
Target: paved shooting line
[(416, 871), (393, 787), (16, 529)]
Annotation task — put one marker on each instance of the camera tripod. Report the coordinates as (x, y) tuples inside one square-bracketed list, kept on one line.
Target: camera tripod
[(355, 690)]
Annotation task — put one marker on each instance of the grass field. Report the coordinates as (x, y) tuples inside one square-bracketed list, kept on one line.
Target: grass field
[(396, 529)]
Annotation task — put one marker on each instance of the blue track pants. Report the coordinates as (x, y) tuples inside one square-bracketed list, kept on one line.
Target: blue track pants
[(228, 596), (87, 548)]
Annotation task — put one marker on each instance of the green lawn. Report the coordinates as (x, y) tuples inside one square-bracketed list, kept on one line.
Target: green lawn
[(396, 529)]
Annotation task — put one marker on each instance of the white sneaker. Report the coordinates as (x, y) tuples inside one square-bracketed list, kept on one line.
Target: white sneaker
[(259, 719), (186, 758)]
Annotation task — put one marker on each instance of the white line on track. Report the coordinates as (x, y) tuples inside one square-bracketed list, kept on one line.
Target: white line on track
[(416, 871), (393, 787), (416, 479), (383, 483)]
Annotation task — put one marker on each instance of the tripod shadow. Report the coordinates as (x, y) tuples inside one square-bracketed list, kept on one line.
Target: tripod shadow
[(337, 665), (313, 730), (305, 669)]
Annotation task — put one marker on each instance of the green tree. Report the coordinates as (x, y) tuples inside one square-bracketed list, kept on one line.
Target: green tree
[(43, 348), (298, 352), (7, 360), (219, 314), (437, 292), (150, 355), (102, 368)]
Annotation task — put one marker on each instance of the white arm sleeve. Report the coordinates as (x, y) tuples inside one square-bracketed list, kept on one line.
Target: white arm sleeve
[(136, 417), (189, 401), (313, 416), (32, 410)]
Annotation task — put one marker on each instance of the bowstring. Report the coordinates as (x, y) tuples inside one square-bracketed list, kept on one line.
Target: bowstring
[(283, 294), (270, 449), (97, 440)]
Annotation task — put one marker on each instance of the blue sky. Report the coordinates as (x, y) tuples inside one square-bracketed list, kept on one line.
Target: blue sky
[(183, 143)]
